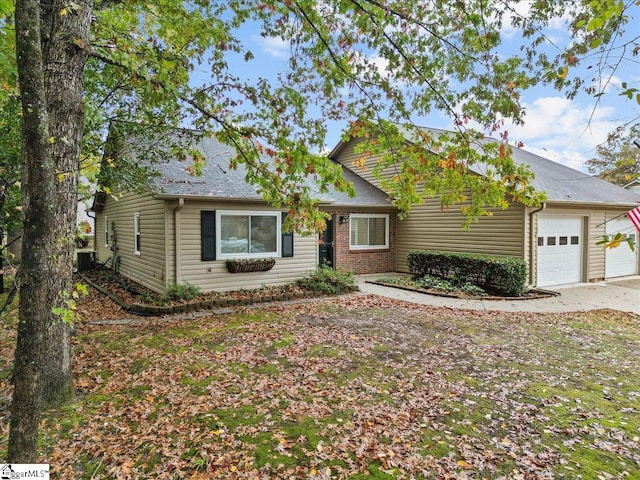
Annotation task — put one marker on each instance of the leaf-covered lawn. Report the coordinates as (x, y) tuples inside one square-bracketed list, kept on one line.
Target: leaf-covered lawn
[(357, 387)]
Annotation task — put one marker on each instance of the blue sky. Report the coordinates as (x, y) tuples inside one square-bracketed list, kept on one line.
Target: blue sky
[(563, 130)]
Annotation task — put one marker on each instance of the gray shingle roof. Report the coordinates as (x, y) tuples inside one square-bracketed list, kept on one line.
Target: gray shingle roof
[(561, 183), (564, 184), (218, 181)]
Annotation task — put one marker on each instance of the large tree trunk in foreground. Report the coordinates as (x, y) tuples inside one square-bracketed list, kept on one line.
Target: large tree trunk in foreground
[(65, 40), (51, 45)]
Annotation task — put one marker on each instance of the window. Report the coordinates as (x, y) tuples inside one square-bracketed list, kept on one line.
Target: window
[(368, 231), (574, 240), (243, 235), (106, 230), (563, 240), (136, 233), (247, 234), (551, 241)]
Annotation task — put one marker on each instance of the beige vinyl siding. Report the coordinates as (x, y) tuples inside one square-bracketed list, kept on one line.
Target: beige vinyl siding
[(149, 267), (213, 275), (171, 213), (102, 251), (429, 228), (594, 228), (347, 157), (596, 254), (529, 254)]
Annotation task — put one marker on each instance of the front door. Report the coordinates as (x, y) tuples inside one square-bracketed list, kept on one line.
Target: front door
[(325, 245)]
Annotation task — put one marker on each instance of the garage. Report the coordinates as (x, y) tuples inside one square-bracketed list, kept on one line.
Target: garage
[(621, 261), (559, 250)]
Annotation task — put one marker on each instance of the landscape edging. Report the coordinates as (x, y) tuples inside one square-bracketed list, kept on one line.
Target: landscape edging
[(145, 310), (538, 293)]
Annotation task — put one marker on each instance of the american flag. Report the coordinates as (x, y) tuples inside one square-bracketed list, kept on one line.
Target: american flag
[(634, 216)]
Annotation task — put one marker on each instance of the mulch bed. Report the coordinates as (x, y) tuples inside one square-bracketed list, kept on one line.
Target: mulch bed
[(133, 298), (530, 295)]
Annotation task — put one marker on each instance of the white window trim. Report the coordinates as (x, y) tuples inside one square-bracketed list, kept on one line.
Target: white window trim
[(248, 213), (136, 232), (370, 247), (107, 236)]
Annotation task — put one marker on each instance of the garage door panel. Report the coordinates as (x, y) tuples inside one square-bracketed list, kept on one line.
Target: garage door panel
[(560, 250), (621, 261)]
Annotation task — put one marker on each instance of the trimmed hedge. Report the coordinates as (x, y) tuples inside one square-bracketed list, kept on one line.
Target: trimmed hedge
[(506, 275)]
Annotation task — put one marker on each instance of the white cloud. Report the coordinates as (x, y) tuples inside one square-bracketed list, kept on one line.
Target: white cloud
[(517, 10), (555, 32), (568, 157), (276, 47), (381, 64), (563, 130), (608, 83)]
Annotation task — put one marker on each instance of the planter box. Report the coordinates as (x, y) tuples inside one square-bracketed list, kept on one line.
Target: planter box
[(246, 266)]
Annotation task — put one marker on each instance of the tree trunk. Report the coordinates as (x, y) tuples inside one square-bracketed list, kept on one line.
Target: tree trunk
[(65, 51), (51, 49)]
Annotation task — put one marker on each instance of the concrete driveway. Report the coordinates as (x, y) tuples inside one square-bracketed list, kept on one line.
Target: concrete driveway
[(623, 294)]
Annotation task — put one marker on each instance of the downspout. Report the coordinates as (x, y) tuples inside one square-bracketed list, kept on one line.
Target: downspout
[(533, 242), (176, 250)]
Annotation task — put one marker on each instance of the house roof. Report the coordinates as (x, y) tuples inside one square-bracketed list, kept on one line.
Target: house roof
[(632, 183), (562, 184), (218, 181)]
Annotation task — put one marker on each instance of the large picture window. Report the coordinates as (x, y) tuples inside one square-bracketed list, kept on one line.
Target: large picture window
[(368, 231), (247, 234)]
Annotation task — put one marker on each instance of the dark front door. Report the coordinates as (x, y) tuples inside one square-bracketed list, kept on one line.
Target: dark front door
[(325, 245)]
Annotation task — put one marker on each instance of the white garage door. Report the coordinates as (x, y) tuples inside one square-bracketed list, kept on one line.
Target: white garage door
[(621, 261), (560, 250)]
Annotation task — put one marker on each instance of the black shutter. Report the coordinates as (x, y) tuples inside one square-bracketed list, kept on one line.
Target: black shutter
[(287, 240), (208, 235)]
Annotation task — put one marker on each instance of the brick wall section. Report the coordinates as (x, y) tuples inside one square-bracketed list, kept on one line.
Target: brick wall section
[(362, 261)]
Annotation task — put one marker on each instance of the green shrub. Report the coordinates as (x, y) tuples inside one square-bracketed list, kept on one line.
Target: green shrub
[(453, 285), (405, 281), (471, 289), (327, 280), (505, 275), (430, 282), (183, 291)]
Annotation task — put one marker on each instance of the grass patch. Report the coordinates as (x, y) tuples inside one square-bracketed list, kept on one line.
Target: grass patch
[(349, 389)]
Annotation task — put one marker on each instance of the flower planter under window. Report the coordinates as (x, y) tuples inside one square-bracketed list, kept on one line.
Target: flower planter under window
[(250, 265)]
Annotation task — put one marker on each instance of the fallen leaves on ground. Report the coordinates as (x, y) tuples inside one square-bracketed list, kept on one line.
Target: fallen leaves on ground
[(354, 387)]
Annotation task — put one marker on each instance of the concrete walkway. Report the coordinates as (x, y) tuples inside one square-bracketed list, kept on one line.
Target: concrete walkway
[(623, 294)]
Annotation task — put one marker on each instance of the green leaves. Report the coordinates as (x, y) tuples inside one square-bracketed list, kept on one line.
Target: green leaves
[(462, 167), (614, 241), (68, 312), (168, 64), (349, 60), (617, 158)]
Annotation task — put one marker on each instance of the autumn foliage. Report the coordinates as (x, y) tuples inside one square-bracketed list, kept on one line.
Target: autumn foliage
[(355, 387)]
